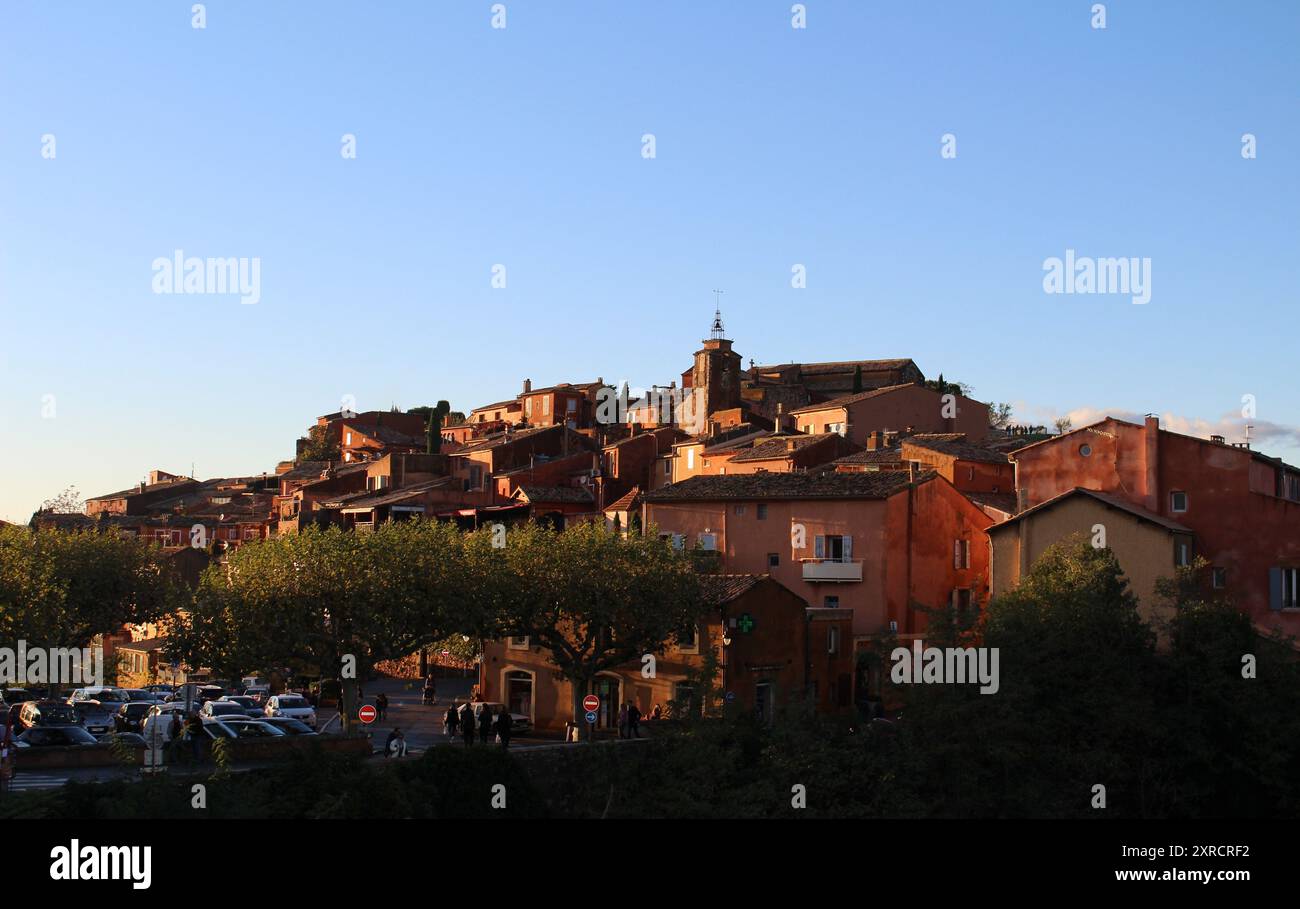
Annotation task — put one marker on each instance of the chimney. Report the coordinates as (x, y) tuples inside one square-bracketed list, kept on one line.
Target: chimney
[(142, 485), (528, 385), (875, 440), (791, 444), (1151, 438)]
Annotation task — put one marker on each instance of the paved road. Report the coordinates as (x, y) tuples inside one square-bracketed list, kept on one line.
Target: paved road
[(420, 723)]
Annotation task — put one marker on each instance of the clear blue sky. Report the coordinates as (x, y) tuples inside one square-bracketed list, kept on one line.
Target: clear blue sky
[(522, 146)]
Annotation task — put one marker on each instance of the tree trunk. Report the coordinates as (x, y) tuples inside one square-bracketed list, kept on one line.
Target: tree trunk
[(347, 692), (580, 690)]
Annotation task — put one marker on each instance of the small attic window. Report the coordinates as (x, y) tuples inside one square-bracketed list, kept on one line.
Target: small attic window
[(1085, 450)]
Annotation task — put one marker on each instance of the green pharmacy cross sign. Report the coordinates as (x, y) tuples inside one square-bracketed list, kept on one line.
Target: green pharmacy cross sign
[(746, 623)]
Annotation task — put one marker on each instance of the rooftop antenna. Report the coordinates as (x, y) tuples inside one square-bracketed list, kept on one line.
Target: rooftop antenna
[(1249, 427), (717, 330)]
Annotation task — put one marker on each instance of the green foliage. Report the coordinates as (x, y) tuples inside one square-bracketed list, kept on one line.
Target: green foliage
[(61, 588), (319, 446)]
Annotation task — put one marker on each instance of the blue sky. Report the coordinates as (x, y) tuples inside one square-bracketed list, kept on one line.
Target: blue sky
[(522, 146)]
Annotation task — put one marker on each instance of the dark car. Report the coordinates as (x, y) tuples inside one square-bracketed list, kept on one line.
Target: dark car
[(49, 736), (11, 696), (140, 694), (130, 716), (47, 713), (250, 705), (289, 725)]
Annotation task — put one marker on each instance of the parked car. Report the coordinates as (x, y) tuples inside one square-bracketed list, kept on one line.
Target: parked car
[(213, 710), (251, 707), (519, 722), (259, 693), (289, 725), (216, 729), (102, 693), (133, 739), (49, 736), (95, 717), (130, 716), (140, 694), (292, 705), (249, 728), (47, 713), (11, 696), (160, 715)]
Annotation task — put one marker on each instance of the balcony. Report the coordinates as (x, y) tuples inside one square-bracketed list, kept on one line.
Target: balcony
[(834, 571)]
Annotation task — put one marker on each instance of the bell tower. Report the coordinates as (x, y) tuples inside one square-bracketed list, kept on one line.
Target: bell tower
[(716, 373)]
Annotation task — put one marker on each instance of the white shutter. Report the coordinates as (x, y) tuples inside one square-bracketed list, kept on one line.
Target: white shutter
[(819, 547), (848, 548)]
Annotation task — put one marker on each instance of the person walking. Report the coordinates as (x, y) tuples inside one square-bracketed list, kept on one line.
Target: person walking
[(381, 706), (633, 720), (174, 733), (194, 732), (449, 722), (622, 721), (467, 725), (485, 725), (504, 722)]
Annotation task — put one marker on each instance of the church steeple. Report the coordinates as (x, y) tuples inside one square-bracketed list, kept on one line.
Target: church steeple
[(717, 332)]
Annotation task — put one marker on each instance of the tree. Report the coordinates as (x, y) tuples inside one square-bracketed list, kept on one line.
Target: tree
[(434, 421), (1000, 415), (593, 600), (1063, 425), (61, 588), (319, 446), (67, 502), (331, 601), (949, 388)]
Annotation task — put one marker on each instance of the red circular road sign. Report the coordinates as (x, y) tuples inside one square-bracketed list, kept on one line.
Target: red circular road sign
[(591, 703), (367, 714)]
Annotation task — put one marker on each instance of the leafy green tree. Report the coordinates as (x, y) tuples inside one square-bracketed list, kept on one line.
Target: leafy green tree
[(61, 588), (319, 446), (328, 600), (591, 599)]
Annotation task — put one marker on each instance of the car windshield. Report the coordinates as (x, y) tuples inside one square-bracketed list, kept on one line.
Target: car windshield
[(218, 731), (294, 703), (89, 708), (139, 694), (242, 701), (255, 730), (224, 707), (291, 724), (58, 713), (107, 694)]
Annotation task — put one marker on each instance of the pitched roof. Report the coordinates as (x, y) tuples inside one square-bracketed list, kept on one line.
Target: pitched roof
[(498, 439), (151, 487), (846, 400), (555, 494), (1002, 501), (778, 446), (377, 498), (627, 501), (813, 369), (821, 484), (876, 456), (723, 588), (1105, 498), (386, 434), (966, 451)]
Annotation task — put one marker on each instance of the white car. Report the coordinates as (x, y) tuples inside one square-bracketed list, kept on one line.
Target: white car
[(160, 715), (292, 705)]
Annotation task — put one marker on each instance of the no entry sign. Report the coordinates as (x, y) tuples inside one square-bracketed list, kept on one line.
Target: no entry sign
[(367, 714), (591, 703)]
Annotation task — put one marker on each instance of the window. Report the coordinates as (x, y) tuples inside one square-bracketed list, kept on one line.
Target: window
[(571, 405), (961, 602), (689, 642), (1085, 450), (831, 602), (833, 640), (1219, 578), (517, 642), (833, 548), (684, 696), (690, 459), (1177, 501), (668, 467), (740, 510), (528, 406), (349, 439), (961, 554), (546, 406), (679, 541), (773, 559), (761, 512), (708, 541), (1284, 588), (1182, 553)]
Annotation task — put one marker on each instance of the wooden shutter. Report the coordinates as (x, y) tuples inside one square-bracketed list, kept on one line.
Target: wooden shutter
[(1275, 589)]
